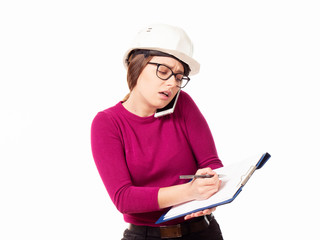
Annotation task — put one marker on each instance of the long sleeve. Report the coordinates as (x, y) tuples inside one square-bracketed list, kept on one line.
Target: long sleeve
[(109, 155), (199, 135)]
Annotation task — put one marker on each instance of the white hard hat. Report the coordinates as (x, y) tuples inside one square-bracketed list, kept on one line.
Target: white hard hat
[(167, 39)]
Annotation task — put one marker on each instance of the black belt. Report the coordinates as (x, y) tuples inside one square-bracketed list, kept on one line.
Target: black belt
[(173, 231)]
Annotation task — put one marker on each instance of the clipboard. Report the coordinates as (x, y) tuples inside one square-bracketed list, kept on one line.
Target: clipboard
[(235, 178)]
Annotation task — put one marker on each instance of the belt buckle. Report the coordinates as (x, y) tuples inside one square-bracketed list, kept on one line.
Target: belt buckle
[(171, 231)]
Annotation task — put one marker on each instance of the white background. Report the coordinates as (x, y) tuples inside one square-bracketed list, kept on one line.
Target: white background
[(61, 63)]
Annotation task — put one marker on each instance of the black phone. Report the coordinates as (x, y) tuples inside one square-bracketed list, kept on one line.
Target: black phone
[(169, 108)]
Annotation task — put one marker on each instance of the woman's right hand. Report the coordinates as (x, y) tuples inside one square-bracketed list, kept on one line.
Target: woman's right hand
[(197, 189), (203, 188)]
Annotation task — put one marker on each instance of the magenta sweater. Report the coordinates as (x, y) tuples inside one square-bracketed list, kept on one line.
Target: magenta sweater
[(136, 156)]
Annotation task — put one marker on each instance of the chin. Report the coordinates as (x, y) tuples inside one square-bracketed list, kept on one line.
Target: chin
[(162, 105)]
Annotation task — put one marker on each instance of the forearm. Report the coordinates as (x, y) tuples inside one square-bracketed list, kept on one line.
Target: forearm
[(169, 196), (197, 189)]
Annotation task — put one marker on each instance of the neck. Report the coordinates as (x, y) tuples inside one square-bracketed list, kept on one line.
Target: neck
[(138, 107)]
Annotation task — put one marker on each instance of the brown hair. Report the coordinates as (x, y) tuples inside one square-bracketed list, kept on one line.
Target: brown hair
[(136, 65)]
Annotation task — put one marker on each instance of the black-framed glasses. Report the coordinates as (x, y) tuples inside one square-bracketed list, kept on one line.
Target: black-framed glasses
[(164, 73)]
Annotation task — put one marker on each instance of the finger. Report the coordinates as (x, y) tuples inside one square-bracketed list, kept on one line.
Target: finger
[(207, 212), (204, 171), (199, 214), (215, 176), (189, 216), (211, 181)]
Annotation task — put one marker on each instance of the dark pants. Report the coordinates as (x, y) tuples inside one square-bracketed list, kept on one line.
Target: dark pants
[(213, 232)]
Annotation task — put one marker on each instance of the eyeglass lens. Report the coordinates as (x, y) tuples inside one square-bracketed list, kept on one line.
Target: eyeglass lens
[(165, 73)]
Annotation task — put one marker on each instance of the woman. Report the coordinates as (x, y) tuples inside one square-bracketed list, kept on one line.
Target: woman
[(140, 157)]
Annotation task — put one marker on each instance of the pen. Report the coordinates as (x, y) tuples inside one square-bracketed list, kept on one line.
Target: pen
[(199, 176)]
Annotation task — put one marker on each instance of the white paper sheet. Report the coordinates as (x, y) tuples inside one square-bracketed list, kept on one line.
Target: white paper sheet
[(233, 175)]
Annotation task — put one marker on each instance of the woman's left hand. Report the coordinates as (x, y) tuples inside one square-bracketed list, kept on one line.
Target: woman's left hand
[(200, 213)]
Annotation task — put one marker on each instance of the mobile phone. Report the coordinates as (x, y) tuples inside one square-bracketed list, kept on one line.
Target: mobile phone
[(169, 108)]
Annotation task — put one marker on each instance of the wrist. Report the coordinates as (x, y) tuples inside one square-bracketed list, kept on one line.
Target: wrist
[(189, 191), (170, 196)]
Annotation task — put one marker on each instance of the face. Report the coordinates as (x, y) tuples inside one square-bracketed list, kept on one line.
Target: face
[(154, 93)]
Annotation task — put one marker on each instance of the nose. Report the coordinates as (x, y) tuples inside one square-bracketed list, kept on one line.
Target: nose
[(172, 82)]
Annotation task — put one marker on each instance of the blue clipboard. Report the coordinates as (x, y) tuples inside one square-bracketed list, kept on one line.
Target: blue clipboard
[(264, 158)]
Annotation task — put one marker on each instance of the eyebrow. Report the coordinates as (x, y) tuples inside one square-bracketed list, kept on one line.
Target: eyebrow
[(180, 72)]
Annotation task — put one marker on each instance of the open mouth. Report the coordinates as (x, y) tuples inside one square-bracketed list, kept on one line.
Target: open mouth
[(165, 93)]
